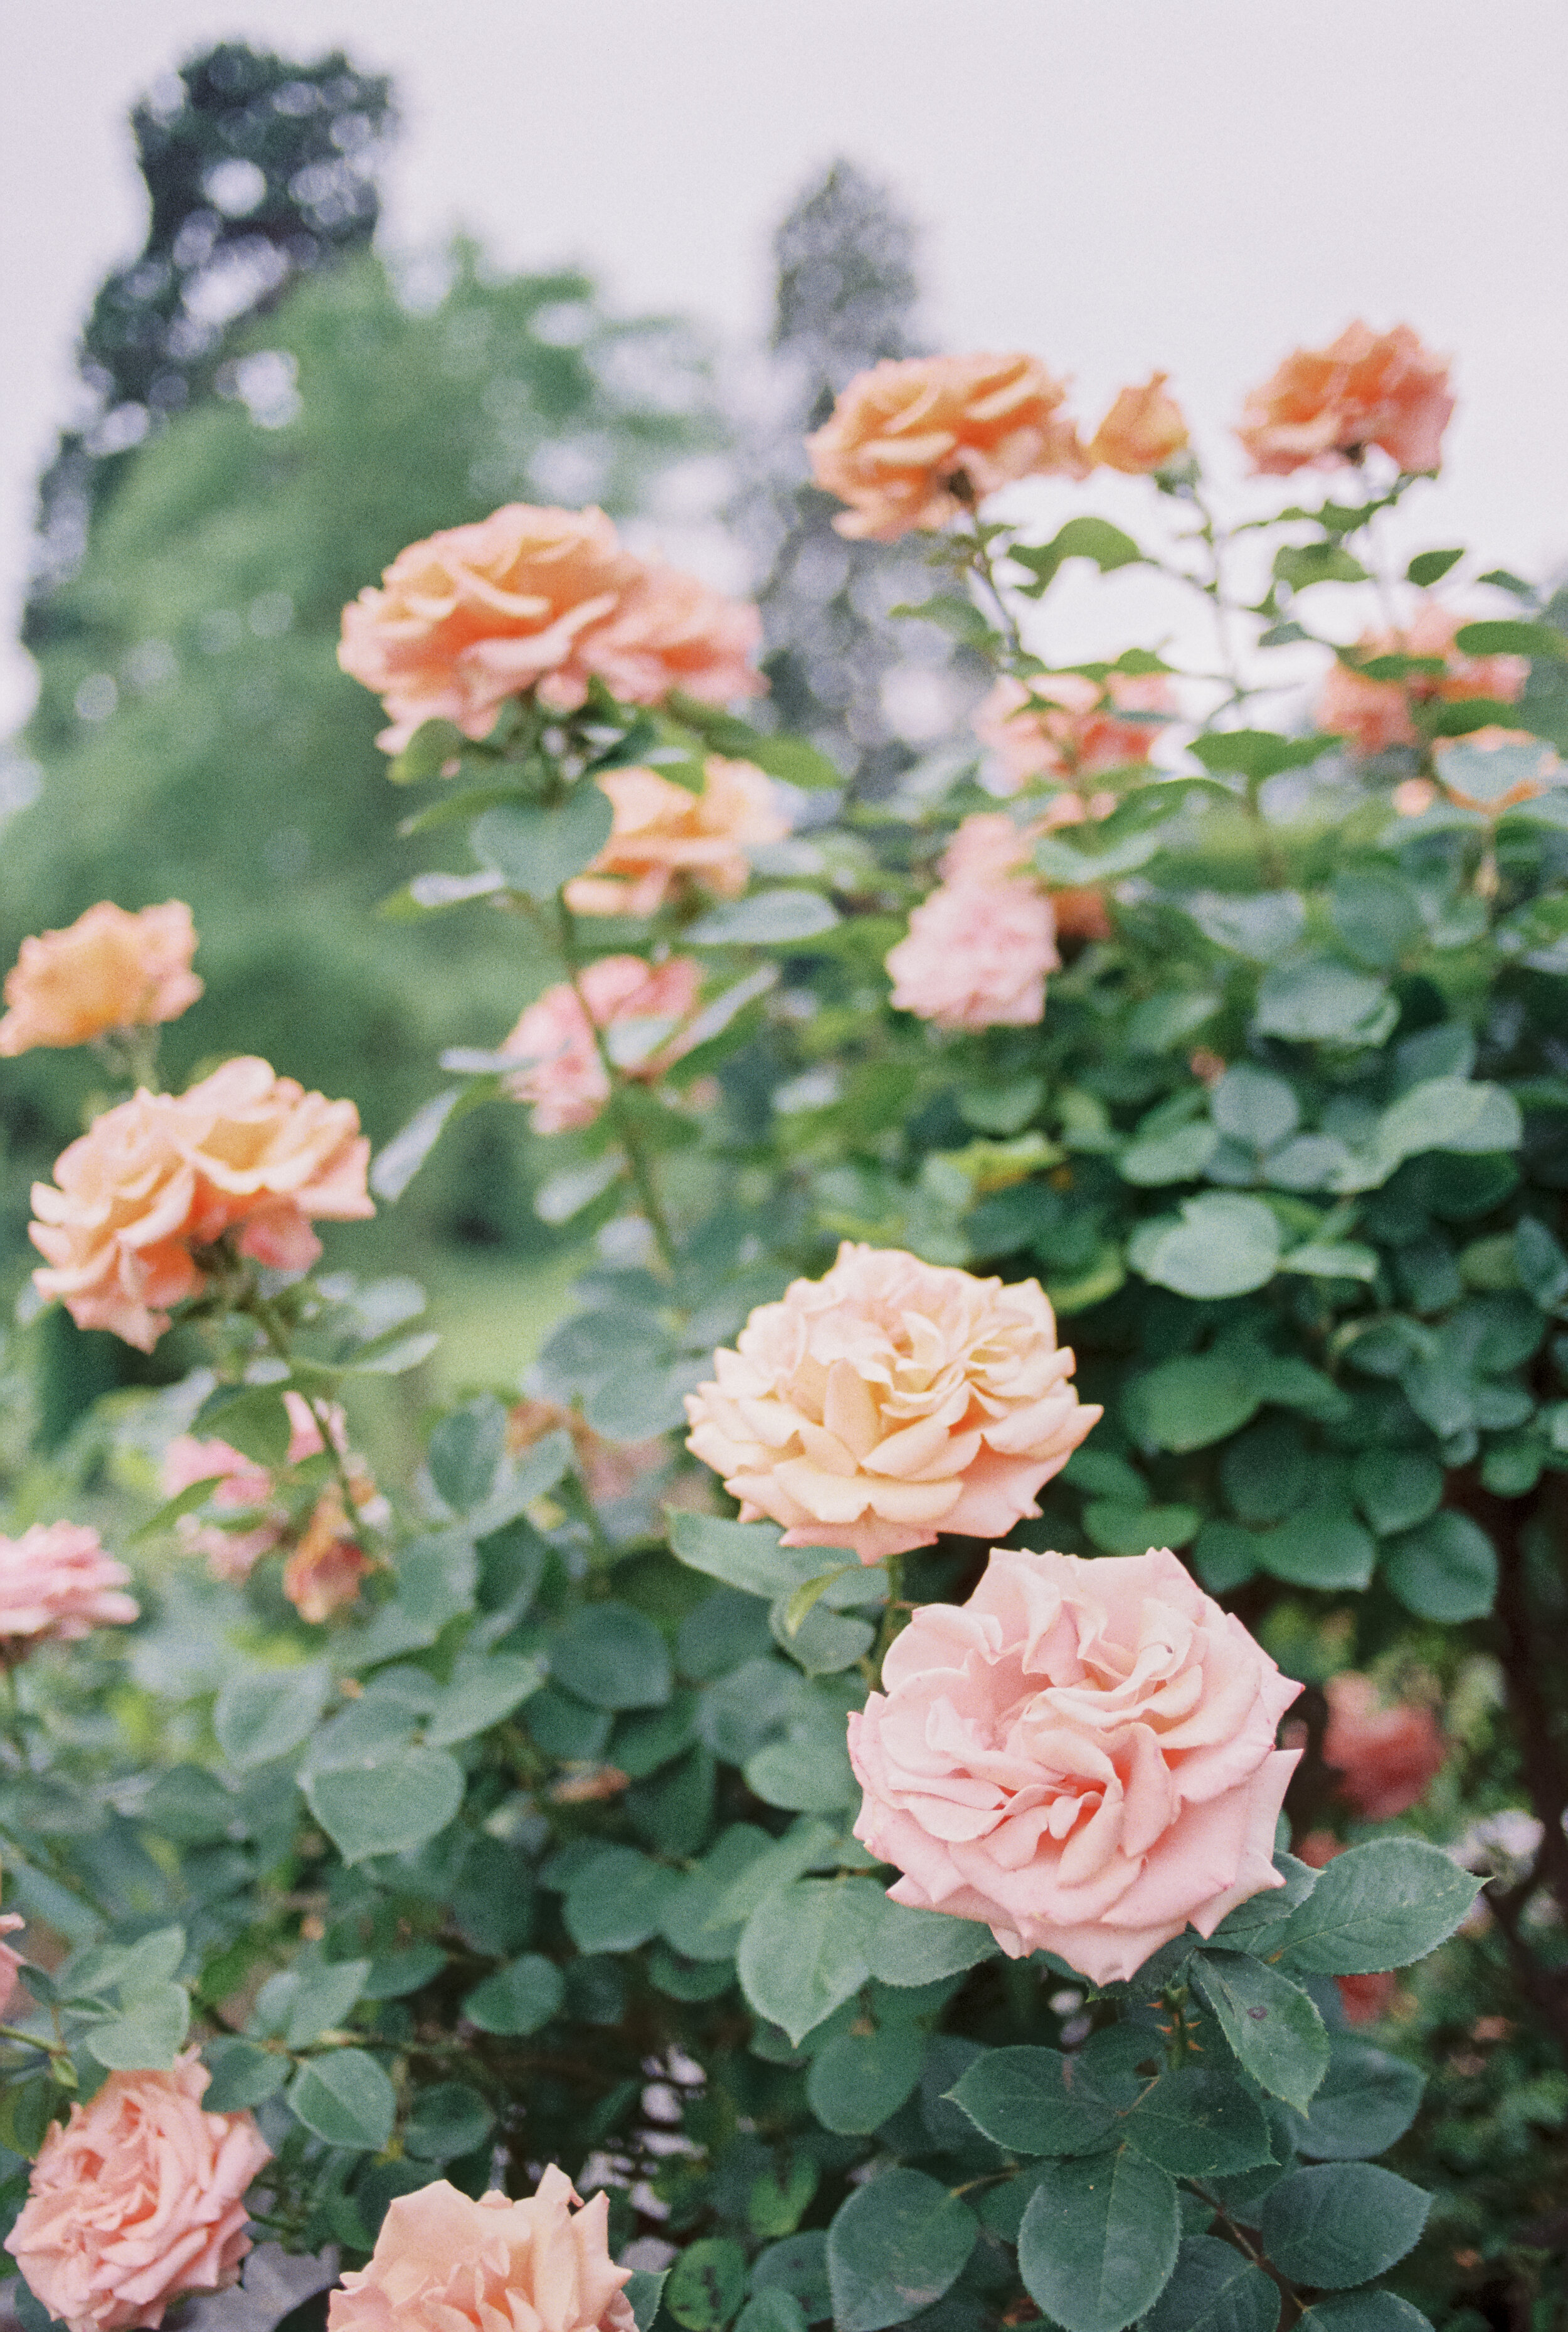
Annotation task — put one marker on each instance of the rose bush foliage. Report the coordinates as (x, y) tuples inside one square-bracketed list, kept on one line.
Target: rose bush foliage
[(923, 1895)]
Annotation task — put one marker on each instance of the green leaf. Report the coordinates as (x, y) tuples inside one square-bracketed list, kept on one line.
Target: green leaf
[(789, 757), (150, 2034), (1198, 2124), (1509, 637), (1430, 566), (1441, 1113), (765, 919), (1253, 1108), (1300, 564), (1378, 1907), (861, 2078), (447, 2120), (707, 2284), (1376, 912), (1259, 924), (432, 744), (1258, 753), (1340, 2222), (265, 1712), (1220, 1246), (252, 1419), (1153, 1160), (324, 1999), (780, 2198), (894, 2247), (1332, 1259), (1445, 1569), (1196, 1399), (538, 850), (242, 2075), (387, 1803), (1395, 1488), (1368, 2101), (1098, 2240), (959, 617), (1365, 2312), (747, 1556), (618, 1900), (346, 2099), (1080, 538), (1274, 2029), (612, 1657), (400, 1160), (1215, 2289), (392, 1974), (465, 1450), (1322, 1546), (802, 1954), (905, 1947), (1135, 1530), (485, 1688), (1102, 860), (519, 1998), (1322, 1001), (1034, 2101), (644, 2290), (809, 1776)]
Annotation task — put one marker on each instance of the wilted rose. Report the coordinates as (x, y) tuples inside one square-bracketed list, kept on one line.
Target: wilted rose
[(56, 1584), (107, 970), (323, 1574), (1144, 430), (888, 1401), (1322, 406), (664, 834), (1081, 1755), (641, 1006)]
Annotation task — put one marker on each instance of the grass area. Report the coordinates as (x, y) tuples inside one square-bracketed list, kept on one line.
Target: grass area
[(494, 1311)]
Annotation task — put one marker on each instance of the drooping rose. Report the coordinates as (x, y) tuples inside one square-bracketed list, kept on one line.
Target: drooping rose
[(107, 970), (1375, 714), (324, 1572), (672, 631), (1143, 431), (1081, 1755), (1525, 766), (444, 2263), (1387, 1758), (1321, 406), (902, 433), (642, 1007), (888, 1401), (975, 956), (664, 834), (137, 2200), (1065, 726), (56, 1584), (162, 1175)]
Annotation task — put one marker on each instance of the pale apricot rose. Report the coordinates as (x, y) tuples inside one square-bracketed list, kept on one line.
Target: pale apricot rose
[(1065, 726), (1324, 407), (1081, 1755), (975, 956), (609, 1469), (1144, 430), (641, 1006), (665, 836), (139, 2200), (161, 1176), (445, 2263), (109, 970), (1375, 714), (915, 439), (324, 1572), (888, 1401), (1533, 765), (672, 631), (56, 1584), (991, 845), (1386, 1757)]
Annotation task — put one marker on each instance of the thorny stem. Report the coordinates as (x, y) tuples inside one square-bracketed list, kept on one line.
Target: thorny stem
[(1244, 2243), (256, 1307), (626, 1132)]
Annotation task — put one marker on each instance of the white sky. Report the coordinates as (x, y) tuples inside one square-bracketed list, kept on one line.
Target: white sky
[(1112, 183)]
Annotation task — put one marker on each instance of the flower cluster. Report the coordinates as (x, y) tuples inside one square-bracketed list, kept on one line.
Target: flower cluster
[(664, 837), (109, 970)]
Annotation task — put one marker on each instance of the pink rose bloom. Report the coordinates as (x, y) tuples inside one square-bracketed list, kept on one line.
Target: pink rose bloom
[(1323, 406), (671, 632), (324, 1572), (445, 2263), (137, 2200), (1374, 715), (1081, 1755), (1066, 725), (563, 1075), (110, 969), (56, 1583), (975, 956), (890, 1400), (901, 434), (1143, 431), (664, 836), (1387, 1758), (239, 1482), (161, 1175)]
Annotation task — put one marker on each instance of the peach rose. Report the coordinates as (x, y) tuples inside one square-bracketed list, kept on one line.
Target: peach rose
[(137, 2200), (672, 631), (902, 433), (238, 1482), (1065, 726), (975, 956), (888, 1401), (1081, 1755), (445, 2263), (1386, 1758), (1143, 431), (1322, 406), (1535, 766), (563, 1075), (991, 845), (663, 833), (324, 1572), (56, 1584), (107, 970), (160, 1176), (1375, 714)]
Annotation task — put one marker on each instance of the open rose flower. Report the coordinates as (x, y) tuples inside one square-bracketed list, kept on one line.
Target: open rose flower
[(1386, 1757), (1323, 406), (107, 970), (1144, 430), (901, 434), (444, 2263), (670, 632), (56, 1584), (1081, 1755), (137, 2200), (664, 834), (161, 1176), (890, 1400), (990, 845), (1066, 726), (975, 956), (1375, 714), (641, 1007)]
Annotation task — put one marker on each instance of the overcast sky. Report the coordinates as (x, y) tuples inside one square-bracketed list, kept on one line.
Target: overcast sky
[(1110, 183)]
